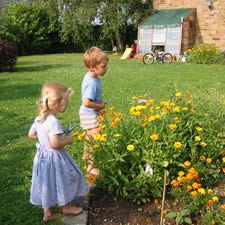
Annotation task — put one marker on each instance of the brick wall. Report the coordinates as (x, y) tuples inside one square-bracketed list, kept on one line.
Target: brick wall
[(210, 23)]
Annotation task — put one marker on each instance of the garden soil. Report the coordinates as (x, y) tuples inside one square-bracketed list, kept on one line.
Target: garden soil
[(106, 209)]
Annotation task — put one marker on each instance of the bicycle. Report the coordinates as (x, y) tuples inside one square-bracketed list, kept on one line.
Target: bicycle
[(159, 56)]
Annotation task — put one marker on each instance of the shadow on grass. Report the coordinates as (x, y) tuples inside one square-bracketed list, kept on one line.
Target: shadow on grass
[(39, 68), (15, 92)]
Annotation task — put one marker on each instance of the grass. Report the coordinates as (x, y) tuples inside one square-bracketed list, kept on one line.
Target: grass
[(124, 79)]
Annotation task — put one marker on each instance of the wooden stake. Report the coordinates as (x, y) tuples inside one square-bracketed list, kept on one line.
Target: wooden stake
[(163, 198)]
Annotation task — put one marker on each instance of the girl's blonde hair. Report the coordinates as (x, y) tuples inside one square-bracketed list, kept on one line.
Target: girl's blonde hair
[(52, 96), (94, 57)]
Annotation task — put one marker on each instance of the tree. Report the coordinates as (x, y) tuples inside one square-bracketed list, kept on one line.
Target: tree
[(114, 16), (26, 25)]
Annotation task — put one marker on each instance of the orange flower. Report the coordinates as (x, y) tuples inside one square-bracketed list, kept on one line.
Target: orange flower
[(91, 178), (223, 169), (209, 160), (189, 187), (202, 158), (210, 202)]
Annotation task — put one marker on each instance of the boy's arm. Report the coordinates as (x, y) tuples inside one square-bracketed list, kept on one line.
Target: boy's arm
[(91, 104)]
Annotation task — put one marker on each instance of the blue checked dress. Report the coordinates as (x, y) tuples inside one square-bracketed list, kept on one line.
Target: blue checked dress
[(56, 179)]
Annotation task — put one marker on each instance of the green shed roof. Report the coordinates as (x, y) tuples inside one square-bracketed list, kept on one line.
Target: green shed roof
[(166, 18)]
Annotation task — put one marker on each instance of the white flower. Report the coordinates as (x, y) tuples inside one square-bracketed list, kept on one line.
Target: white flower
[(148, 170)]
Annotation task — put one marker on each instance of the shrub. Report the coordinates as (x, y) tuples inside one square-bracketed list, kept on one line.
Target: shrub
[(205, 54), (133, 150), (8, 56)]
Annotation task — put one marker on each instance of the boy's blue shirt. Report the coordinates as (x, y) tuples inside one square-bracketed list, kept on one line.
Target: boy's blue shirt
[(91, 88)]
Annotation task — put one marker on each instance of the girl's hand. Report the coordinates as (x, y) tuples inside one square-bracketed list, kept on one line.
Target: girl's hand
[(69, 140)]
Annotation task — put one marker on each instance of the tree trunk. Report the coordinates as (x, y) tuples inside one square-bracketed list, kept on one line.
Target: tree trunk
[(119, 41)]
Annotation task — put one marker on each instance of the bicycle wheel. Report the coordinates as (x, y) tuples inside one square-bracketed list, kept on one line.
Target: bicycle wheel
[(167, 58), (148, 58)]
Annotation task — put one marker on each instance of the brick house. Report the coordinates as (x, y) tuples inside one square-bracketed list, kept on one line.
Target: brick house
[(203, 22)]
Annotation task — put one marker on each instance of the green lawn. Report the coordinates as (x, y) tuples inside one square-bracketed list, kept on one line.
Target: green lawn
[(124, 79)]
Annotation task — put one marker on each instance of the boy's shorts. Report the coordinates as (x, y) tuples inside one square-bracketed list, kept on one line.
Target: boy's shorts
[(88, 121)]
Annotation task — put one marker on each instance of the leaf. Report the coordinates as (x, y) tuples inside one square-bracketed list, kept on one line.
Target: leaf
[(187, 220), (171, 215), (164, 163), (184, 212)]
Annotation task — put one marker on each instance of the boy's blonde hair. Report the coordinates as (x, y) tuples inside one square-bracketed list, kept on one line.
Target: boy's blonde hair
[(94, 57), (52, 96)]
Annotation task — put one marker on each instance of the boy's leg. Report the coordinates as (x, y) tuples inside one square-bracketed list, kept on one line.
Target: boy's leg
[(87, 153)]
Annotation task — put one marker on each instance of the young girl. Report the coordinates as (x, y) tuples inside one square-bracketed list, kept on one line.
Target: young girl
[(56, 179)]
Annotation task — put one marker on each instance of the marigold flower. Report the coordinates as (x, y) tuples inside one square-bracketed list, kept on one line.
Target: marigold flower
[(194, 193), (174, 183), (138, 113), (178, 94), (176, 109), (116, 135), (203, 144), (223, 169), (222, 207), (144, 118), (199, 129), (172, 126), (177, 144), (201, 190), (189, 187), (181, 173), (209, 160), (97, 136), (91, 178), (224, 159), (130, 147), (210, 202), (196, 185), (177, 120), (210, 191), (189, 176), (202, 158), (154, 137), (197, 138), (215, 198), (187, 163)]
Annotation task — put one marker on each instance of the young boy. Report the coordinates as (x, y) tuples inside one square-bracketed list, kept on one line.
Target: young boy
[(92, 103)]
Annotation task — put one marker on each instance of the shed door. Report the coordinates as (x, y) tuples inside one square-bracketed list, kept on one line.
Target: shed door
[(144, 40), (173, 40)]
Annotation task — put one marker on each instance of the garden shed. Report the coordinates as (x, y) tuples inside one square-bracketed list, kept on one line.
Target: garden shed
[(171, 29)]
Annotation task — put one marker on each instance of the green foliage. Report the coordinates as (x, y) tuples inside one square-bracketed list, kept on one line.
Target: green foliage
[(205, 54), (8, 56), (133, 151), (182, 217), (28, 26)]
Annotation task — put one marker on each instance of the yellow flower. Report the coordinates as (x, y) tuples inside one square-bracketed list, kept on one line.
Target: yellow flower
[(189, 187), (185, 109), (95, 146), (75, 133), (199, 129), (116, 135), (197, 138), (138, 113), (195, 185), (224, 159), (177, 120), (173, 126), (130, 147), (210, 191), (187, 163), (176, 109), (177, 144), (154, 137), (201, 190), (215, 198), (203, 144), (209, 160), (97, 136), (181, 173), (178, 94), (194, 193), (134, 98)]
